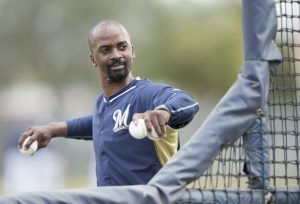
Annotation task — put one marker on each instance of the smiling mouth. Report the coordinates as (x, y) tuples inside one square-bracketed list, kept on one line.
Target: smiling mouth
[(120, 66), (117, 66)]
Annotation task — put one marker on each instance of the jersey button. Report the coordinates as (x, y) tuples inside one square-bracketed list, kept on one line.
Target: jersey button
[(103, 157), (101, 132), (108, 181)]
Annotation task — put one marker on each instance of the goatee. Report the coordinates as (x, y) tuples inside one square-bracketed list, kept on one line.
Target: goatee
[(117, 75)]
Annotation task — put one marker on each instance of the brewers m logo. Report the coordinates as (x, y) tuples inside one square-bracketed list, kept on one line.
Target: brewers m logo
[(120, 119)]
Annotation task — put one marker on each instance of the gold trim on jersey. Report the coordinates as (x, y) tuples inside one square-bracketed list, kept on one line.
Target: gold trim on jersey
[(167, 147)]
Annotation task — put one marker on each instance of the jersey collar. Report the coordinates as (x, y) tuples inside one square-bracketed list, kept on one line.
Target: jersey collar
[(125, 90)]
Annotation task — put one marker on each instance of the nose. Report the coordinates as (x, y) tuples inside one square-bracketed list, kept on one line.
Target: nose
[(115, 54)]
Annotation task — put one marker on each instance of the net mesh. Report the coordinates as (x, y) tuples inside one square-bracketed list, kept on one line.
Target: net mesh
[(267, 157), (284, 98)]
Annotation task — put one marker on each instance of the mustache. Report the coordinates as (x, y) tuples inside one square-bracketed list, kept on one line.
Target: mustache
[(116, 61)]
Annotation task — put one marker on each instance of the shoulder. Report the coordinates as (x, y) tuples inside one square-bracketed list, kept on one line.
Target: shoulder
[(151, 86), (99, 98), (156, 93)]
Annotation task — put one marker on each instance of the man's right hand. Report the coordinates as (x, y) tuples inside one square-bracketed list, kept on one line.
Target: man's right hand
[(43, 134)]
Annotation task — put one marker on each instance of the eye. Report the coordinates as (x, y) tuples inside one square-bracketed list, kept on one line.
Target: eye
[(104, 49), (123, 46)]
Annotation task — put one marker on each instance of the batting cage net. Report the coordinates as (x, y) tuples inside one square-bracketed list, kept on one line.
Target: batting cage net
[(263, 165), (284, 101)]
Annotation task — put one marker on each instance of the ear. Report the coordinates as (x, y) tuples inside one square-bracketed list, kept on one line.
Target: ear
[(94, 64), (133, 51)]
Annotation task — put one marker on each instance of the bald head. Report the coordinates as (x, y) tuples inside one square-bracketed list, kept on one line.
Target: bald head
[(111, 51), (102, 26)]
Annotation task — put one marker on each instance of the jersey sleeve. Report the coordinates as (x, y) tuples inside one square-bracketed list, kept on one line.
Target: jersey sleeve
[(181, 105), (80, 128)]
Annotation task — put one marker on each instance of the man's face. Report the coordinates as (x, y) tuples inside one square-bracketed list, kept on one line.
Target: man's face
[(112, 52)]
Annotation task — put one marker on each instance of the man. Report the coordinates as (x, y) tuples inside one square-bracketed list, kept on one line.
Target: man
[(121, 159), (232, 117)]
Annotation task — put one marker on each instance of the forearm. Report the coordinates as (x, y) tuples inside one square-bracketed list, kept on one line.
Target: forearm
[(182, 108), (43, 134), (58, 129)]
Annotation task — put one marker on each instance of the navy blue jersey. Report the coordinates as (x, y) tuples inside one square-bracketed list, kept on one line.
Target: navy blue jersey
[(120, 158)]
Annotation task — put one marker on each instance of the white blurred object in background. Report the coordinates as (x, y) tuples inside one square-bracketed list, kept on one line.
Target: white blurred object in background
[(43, 171)]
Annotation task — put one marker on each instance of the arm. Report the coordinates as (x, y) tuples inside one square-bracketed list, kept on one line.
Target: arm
[(79, 128), (182, 108), (43, 134), (172, 107)]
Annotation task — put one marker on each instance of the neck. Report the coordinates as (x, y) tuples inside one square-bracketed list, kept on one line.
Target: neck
[(111, 88)]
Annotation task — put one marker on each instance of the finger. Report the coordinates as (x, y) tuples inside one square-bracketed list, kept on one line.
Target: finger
[(162, 125), (157, 127), (137, 116), (28, 143), (31, 139), (27, 133), (148, 124), (159, 123)]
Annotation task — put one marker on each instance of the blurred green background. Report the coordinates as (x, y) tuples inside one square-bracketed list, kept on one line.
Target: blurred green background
[(195, 45)]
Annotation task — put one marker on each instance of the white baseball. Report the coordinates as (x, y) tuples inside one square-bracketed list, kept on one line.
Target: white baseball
[(153, 135), (138, 131), (31, 149)]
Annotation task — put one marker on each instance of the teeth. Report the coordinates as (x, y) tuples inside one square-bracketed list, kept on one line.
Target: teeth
[(117, 66)]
